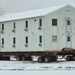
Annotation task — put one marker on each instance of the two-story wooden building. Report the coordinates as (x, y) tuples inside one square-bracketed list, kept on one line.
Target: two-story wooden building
[(38, 30)]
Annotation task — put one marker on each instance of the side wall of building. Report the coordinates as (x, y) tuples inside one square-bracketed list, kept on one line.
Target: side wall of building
[(20, 35)]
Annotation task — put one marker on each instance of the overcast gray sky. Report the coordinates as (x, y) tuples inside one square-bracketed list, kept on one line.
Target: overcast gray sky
[(13, 6)]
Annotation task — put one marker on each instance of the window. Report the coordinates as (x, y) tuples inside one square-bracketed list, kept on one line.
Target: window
[(54, 22), (68, 26), (40, 39), (68, 39), (26, 24), (2, 41), (14, 40), (68, 22), (14, 25), (2, 26), (40, 22), (26, 39), (54, 38), (68, 10)]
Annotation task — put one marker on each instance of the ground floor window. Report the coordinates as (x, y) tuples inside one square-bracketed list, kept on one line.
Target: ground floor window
[(26, 39), (14, 40), (40, 39), (54, 38)]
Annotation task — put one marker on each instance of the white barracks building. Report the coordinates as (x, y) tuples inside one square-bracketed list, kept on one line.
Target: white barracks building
[(38, 30)]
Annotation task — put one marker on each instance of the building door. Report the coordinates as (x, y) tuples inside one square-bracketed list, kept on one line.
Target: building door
[(68, 42), (68, 25)]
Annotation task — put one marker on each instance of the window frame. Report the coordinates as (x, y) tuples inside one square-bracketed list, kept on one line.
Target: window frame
[(68, 22), (2, 26), (40, 39), (68, 38), (14, 40), (54, 38), (40, 22), (26, 24), (54, 22), (26, 39), (2, 41), (14, 25)]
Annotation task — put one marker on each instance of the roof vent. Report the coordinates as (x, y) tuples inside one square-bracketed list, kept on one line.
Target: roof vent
[(68, 10)]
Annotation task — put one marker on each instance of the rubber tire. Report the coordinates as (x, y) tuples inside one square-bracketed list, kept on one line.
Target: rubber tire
[(48, 59), (19, 58), (41, 59), (68, 58), (73, 58), (23, 58), (28, 58), (54, 58)]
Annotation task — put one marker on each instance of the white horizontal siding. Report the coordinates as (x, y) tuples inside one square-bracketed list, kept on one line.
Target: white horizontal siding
[(59, 30), (33, 34)]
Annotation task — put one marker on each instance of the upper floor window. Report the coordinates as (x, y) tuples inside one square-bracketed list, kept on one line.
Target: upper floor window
[(54, 22), (54, 38), (40, 22), (2, 26), (26, 25), (14, 25)]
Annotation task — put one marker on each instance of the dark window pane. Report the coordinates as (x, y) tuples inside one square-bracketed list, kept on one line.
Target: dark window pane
[(54, 22), (2, 40), (2, 26), (14, 26), (14, 40), (26, 39), (68, 22), (26, 24), (40, 39), (68, 39), (40, 22)]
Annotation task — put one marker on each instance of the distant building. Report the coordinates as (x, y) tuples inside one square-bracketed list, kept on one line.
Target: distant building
[(38, 30)]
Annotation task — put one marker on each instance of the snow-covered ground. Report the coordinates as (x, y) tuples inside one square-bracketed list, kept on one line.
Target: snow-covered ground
[(35, 68)]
